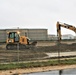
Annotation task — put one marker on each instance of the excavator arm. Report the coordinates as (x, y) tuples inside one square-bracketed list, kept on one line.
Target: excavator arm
[(59, 25)]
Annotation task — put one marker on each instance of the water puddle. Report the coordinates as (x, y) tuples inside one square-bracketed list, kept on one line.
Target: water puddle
[(60, 72)]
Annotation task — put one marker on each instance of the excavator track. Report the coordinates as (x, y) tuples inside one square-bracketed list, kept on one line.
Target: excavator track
[(15, 46), (11, 46), (19, 46)]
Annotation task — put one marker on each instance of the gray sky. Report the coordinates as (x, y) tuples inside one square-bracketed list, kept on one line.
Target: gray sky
[(37, 14)]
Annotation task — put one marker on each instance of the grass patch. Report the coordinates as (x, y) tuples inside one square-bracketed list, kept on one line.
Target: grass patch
[(36, 64)]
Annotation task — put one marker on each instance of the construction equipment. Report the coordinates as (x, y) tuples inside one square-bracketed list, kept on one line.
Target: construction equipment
[(15, 41), (59, 25)]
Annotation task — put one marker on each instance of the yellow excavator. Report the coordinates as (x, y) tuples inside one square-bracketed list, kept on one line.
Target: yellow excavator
[(15, 41), (59, 25)]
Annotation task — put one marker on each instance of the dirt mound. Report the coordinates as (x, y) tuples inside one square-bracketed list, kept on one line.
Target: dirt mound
[(55, 48)]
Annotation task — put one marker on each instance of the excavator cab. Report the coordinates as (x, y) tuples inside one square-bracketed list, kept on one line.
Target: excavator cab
[(13, 37)]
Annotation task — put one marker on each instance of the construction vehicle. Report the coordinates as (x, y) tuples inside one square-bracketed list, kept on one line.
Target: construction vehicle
[(15, 41), (59, 25)]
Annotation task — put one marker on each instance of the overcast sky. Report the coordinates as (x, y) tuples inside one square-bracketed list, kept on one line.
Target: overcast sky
[(37, 14)]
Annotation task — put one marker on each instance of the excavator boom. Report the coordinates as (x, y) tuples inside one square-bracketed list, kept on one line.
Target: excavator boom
[(59, 25)]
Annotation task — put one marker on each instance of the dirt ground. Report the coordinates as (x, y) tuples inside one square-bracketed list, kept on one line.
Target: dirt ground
[(37, 53)]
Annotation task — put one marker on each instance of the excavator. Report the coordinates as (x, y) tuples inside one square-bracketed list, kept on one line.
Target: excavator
[(59, 25), (15, 41)]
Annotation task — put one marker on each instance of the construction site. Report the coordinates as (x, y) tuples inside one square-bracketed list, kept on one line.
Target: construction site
[(18, 48)]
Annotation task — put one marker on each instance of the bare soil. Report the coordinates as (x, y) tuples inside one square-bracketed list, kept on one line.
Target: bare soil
[(39, 52)]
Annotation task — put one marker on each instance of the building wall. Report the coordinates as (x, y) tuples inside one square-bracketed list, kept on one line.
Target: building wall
[(37, 34), (52, 37), (3, 36), (68, 36), (33, 34)]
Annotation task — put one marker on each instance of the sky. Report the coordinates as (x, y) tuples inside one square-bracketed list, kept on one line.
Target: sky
[(37, 14)]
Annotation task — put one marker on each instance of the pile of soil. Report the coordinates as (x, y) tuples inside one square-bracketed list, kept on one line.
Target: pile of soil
[(55, 48)]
